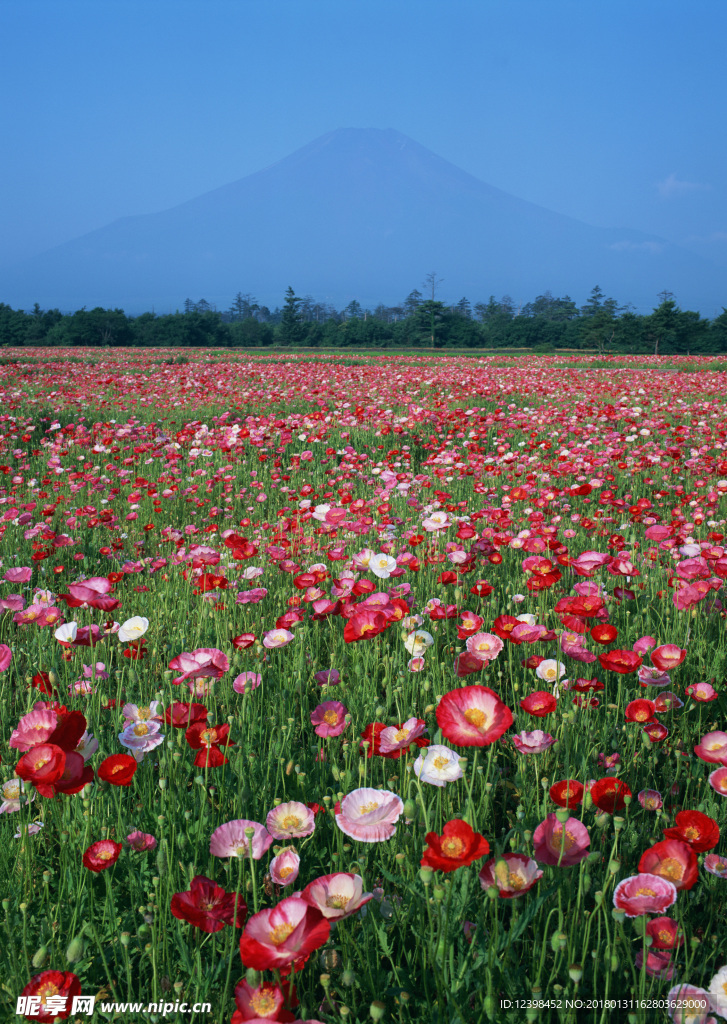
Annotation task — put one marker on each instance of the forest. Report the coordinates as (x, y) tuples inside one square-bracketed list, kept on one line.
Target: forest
[(546, 324)]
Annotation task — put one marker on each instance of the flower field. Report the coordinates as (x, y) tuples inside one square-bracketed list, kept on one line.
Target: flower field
[(351, 689)]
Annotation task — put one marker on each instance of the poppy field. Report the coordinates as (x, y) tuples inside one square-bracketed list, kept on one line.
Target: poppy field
[(385, 688)]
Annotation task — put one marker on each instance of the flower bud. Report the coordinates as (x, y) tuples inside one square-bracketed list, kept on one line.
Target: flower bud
[(377, 1011)]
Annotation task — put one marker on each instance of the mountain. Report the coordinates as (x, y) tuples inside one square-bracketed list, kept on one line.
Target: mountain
[(357, 213)]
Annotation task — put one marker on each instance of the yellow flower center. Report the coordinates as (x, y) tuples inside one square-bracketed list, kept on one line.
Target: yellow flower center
[(144, 714), (560, 841), (515, 881), (691, 833), (141, 729), (401, 735), (337, 901), (41, 763), (475, 717), (280, 933), (330, 717), (263, 1002), (440, 763), (284, 872), (367, 808), (46, 991), (291, 821), (665, 937), (644, 892), (452, 846), (105, 854), (670, 868)]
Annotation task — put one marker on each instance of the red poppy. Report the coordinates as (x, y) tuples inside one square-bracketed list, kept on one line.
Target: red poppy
[(665, 933), (267, 998), (539, 704), (608, 794), (181, 716), (604, 633), (207, 739), (364, 625), (372, 734), (457, 847), (76, 775), (208, 907), (101, 855), (696, 829), (503, 627), (136, 650), (243, 640), (672, 859), (44, 987), (567, 793), (118, 769), (623, 662), (41, 681), (640, 710), (482, 588), (42, 765)]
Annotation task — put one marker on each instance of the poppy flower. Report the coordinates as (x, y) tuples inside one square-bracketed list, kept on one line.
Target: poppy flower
[(568, 793), (712, 748), (513, 874), (718, 781), (644, 893), (43, 766), (696, 829), (604, 633), (46, 987), (639, 711), (671, 859), (101, 855), (290, 820), (229, 840), (535, 742), (561, 843), (370, 815), (608, 794), (539, 704), (208, 907), (473, 716), (285, 933), (667, 657), (181, 716), (364, 625), (623, 662), (207, 740), (243, 640), (118, 769), (267, 1001), (665, 933), (457, 847), (203, 663)]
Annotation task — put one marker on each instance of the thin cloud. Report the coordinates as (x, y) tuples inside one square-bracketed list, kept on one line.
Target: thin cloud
[(715, 236), (672, 186), (652, 247)]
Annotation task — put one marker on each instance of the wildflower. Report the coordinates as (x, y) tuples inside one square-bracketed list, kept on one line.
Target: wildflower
[(267, 1001), (438, 766), (399, 737), (280, 936), (608, 794), (457, 847), (667, 657), (568, 793), (141, 737), (550, 671), (623, 662), (716, 865), (650, 799), (418, 641), (12, 792), (246, 681), (644, 893), (277, 638), (118, 769), (329, 718), (133, 629), (673, 860), (141, 841), (291, 820), (473, 716), (539, 704), (204, 663), (50, 986), (561, 843), (484, 646), (513, 874), (207, 740), (229, 840), (370, 815), (718, 781), (665, 933), (696, 829), (712, 748), (337, 896), (533, 742), (284, 867), (101, 855), (208, 907)]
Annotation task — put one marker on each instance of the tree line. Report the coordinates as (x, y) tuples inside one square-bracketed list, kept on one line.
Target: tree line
[(421, 321)]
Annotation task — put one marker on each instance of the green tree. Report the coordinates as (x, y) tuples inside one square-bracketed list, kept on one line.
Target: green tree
[(292, 330)]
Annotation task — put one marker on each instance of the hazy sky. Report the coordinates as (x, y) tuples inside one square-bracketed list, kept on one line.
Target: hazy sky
[(611, 111)]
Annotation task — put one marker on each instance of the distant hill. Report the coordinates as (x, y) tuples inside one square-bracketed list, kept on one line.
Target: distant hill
[(357, 213)]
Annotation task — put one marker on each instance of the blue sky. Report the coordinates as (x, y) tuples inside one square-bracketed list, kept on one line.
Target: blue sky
[(605, 110)]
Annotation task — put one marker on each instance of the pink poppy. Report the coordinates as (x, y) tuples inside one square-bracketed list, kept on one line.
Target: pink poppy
[(712, 748), (247, 681), (33, 728), (534, 742), (513, 874), (141, 841), (553, 838), (702, 692), (572, 644), (370, 815), (667, 657), (644, 894), (394, 738), (416, 664), (718, 781), (716, 865), (644, 644), (649, 675), (689, 1005), (285, 867), (277, 638), (291, 820), (229, 840), (659, 963), (205, 662), (473, 716), (328, 677), (251, 596), (650, 799), (277, 937), (484, 646), (21, 574), (337, 895), (329, 718)]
